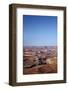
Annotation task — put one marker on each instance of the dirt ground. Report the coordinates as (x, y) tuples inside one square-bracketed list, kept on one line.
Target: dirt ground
[(40, 69)]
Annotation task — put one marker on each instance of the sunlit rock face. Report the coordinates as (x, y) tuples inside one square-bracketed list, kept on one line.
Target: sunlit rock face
[(51, 60)]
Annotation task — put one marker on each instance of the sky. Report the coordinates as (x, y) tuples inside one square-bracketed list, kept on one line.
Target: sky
[(40, 30)]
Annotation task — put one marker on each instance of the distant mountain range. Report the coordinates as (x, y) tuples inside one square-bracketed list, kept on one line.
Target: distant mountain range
[(40, 46)]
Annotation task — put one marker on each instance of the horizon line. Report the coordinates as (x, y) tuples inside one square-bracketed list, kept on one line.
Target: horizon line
[(40, 46)]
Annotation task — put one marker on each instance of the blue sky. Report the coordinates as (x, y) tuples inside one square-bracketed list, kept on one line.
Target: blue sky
[(40, 30)]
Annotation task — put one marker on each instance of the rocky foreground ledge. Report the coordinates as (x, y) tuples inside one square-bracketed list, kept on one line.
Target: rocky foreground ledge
[(47, 68)]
